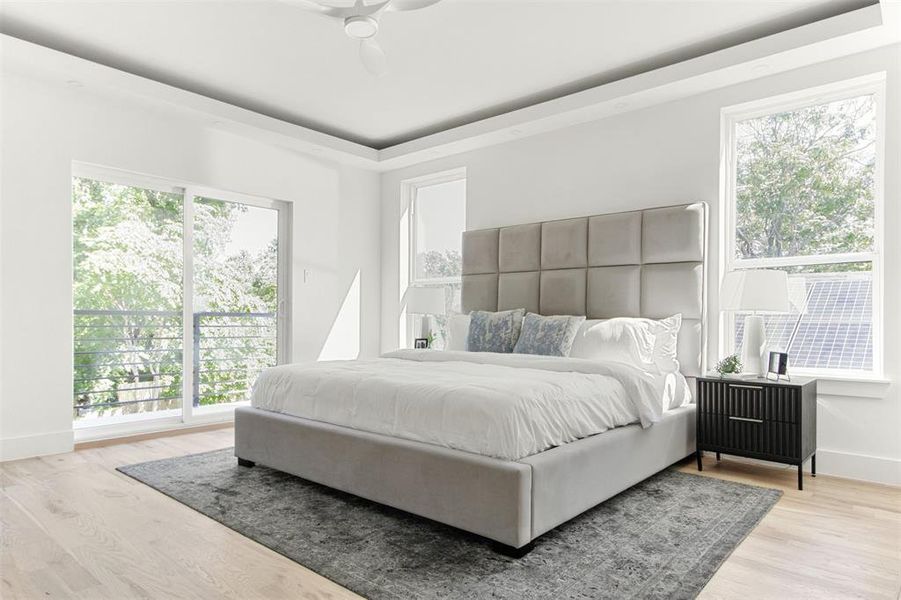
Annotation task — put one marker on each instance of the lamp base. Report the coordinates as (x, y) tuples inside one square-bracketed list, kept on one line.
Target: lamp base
[(753, 346)]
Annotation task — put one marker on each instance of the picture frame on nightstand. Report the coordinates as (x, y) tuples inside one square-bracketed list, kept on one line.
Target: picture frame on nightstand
[(777, 366)]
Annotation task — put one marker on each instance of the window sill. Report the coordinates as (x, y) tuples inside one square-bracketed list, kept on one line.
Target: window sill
[(849, 378), (850, 386)]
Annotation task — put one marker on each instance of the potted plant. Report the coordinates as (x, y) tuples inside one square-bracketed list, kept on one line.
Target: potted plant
[(731, 365)]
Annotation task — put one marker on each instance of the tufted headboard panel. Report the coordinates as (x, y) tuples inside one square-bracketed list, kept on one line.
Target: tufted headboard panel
[(644, 263)]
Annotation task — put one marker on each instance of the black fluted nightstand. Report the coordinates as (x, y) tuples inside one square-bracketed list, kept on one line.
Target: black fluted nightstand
[(759, 418)]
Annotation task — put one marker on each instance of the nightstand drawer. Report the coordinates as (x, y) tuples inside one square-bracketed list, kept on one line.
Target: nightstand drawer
[(750, 401), (745, 401), (750, 436)]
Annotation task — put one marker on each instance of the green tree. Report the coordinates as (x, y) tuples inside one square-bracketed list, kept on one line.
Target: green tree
[(805, 181)]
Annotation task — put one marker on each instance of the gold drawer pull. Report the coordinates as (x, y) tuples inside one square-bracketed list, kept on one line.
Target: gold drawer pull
[(746, 419), (746, 387)]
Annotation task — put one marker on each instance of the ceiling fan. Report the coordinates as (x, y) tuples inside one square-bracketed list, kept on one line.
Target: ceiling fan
[(361, 22)]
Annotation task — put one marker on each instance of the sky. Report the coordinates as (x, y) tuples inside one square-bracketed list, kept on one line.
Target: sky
[(443, 204), (253, 230)]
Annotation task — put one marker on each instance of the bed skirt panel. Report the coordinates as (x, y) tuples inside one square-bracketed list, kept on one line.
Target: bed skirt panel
[(570, 479), (479, 494)]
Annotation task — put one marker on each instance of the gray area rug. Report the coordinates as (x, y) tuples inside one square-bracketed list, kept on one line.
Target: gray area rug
[(663, 538)]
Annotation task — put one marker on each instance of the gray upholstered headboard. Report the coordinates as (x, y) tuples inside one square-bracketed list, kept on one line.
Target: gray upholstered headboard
[(644, 263)]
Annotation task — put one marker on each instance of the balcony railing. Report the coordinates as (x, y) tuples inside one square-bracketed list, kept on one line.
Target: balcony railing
[(131, 361)]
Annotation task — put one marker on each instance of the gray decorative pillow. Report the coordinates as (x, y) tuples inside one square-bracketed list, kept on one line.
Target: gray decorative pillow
[(494, 331), (548, 336)]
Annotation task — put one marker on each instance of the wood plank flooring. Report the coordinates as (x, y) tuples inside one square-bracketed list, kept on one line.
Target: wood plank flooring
[(73, 527)]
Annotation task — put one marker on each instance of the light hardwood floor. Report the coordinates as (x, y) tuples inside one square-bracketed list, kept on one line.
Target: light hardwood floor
[(73, 527)]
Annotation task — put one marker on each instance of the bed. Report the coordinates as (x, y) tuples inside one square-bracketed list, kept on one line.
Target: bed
[(412, 430)]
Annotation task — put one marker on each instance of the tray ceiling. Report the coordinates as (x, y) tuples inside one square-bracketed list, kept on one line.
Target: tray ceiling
[(450, 64)]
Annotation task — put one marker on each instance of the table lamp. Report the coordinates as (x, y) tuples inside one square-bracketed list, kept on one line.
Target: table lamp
[(425, 301), (757, 291)]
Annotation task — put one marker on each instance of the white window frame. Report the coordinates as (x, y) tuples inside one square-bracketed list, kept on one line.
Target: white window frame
[(409, 189), (407, 246), (873, 84), (129, 425)]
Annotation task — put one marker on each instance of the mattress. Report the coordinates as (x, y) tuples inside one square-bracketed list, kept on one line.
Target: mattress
[(506, 406)]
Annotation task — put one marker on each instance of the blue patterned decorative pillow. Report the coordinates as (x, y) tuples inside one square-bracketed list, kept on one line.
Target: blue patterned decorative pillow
[(548, 336), (494, 331)]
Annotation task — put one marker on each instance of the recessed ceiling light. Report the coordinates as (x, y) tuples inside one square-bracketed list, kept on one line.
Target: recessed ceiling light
[(621, 105), (74, 83), (361, 27)]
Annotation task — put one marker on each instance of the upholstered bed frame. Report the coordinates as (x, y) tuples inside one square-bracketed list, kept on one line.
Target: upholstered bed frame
[(644, 263), (649, 263)]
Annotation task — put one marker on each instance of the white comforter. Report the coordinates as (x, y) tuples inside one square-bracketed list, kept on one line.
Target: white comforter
[(507, 406)]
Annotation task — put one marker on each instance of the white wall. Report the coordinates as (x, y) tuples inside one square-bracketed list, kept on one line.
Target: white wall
[(669, 154), (46, 126)]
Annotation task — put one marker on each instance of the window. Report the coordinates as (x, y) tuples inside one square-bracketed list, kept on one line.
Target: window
[(176, 296), (437, 221), (803, 194)]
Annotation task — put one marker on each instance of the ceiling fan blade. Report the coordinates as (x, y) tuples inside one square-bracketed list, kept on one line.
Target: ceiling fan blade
[(373, 57), (330, 3), (330, 8), (410, 4)]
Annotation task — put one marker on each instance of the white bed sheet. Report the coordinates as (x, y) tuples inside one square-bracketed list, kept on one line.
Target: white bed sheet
[(507, 406)]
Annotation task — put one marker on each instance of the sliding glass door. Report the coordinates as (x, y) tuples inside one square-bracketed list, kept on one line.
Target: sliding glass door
[(179, 297), (127, 293), (236, 299)]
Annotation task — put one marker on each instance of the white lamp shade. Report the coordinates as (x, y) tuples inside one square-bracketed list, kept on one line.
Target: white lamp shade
[(757, 290), (425, 300)]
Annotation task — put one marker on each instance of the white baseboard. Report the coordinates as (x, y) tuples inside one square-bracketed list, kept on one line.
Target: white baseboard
[(59, 442), (859, 466), (42, 444)]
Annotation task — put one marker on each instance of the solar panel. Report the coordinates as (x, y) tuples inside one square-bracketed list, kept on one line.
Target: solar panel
[(835, 331)]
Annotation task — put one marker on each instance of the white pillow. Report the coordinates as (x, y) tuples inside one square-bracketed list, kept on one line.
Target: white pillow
[(622, 340), (457, 332), (666, 344), (648, 344)]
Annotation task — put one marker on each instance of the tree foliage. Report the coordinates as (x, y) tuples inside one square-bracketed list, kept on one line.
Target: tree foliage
[(805, 181), (127, 247), (439, 264)]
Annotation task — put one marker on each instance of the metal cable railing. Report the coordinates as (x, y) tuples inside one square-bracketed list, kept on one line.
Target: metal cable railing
[(131, 361), (226, 366)]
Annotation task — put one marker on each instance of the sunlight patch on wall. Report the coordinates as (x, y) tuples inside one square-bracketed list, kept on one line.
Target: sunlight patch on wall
[(343, 340)]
